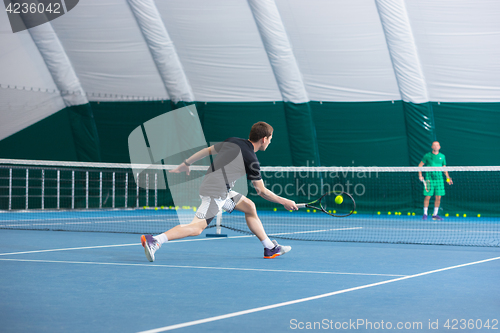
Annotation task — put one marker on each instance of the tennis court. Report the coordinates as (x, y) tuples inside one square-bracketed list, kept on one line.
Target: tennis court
[(100, 282), (81, 266)]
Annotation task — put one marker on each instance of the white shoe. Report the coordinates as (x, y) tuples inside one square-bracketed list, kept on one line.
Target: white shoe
[(278, 250), (151, 245)]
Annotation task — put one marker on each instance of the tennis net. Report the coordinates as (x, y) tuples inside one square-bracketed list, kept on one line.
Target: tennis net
[(105, 197)]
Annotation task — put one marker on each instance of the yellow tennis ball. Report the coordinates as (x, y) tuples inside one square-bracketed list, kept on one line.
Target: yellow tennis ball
[(156, 208), (339, 199), (409, 213), (144, 207), (389, 213), (275, 209), (465, 215), (413, 214), (478, 215), (447, 180), (378, 213), (446, 214), (458, 215)]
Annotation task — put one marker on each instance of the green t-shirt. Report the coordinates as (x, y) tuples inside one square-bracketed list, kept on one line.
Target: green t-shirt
[(432, 160)]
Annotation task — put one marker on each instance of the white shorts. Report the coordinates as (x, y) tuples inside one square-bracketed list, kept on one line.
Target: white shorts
[(211, 206)]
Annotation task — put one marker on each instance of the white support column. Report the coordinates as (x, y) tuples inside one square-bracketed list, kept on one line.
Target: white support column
[(162, 49), (279, 51), (403, 50), (58, 63)]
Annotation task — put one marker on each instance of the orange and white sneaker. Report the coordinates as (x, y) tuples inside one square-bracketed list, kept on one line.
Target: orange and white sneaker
[(151, 245), (278, 250)]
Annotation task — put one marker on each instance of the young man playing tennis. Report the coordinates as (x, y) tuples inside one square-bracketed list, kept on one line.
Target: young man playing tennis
[(433, 181), (235, 157)]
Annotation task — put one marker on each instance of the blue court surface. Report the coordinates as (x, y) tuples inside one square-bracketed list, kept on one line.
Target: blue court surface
[(56, 281)]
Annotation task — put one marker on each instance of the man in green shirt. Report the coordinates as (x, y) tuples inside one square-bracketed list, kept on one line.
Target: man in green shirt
[(433, 181)]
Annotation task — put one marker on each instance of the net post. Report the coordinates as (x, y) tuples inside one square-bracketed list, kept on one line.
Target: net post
[(218, 228), (58, 188), (10, 189), (100, 189), (126, 189), (43, 188), (147, 190), (156, 190), (27, 186), (73, 189), (87, 190), (114, 183), (137, 192)]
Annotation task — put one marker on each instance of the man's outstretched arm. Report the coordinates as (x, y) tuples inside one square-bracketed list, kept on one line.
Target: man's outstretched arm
[(270, 196), (183, 167)]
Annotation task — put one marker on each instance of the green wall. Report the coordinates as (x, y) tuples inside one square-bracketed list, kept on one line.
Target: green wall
[(345, 134)]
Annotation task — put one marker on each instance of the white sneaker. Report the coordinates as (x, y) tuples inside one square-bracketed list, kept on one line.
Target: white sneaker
[(278, 250), (150, 246)]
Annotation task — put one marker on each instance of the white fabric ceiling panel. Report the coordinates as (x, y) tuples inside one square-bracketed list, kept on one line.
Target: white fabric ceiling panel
[(27, 91), (109, 54), (459, 48), (220, 49), (20, 109), (341, 49)]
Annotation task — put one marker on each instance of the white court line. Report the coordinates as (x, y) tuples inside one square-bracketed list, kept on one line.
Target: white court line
[(195, 267), (174, 241), (301, 300), (313, 231), (117, 245)]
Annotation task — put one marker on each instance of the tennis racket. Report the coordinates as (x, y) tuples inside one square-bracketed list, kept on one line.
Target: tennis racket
[(427, 184), (326, 204)]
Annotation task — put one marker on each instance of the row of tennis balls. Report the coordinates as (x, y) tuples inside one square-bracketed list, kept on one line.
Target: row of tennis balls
[(275, 209), (413, 214)]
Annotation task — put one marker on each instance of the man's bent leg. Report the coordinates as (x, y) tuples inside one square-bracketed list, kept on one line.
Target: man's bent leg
[(271, 248), (247, 206)]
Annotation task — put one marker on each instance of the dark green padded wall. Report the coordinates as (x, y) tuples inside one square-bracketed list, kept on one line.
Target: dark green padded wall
[(116, 120), (361, 134), (223, 120), (469, 133), (67, 135), (346, 134)]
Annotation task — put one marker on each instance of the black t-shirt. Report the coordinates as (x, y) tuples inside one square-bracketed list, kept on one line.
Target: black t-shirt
[(235, 158)]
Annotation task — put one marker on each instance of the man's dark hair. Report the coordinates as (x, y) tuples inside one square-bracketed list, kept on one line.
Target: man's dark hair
[(260, 130)]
